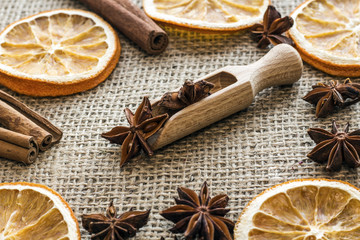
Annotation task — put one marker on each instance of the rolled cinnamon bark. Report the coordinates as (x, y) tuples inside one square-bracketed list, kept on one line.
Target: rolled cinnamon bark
[(132, 22), (17, 146), (17, 117), (15, 121), (18, 139)]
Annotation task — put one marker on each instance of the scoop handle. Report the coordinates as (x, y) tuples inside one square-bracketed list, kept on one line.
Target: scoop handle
[(282, 65)]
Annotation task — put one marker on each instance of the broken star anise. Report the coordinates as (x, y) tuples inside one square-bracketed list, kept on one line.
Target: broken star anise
[(188, 94), (335, 147), (200, 215), (113, 227), (327, 97), (272, 29), (142, 126)]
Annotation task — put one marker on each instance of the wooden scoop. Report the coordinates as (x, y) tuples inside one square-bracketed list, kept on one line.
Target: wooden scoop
[(235, 89)]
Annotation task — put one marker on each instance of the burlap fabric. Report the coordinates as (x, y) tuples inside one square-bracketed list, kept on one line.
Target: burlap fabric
[(241, 155)]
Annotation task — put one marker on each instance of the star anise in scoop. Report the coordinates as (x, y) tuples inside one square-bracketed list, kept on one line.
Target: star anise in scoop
[(327, 97), (200, 215), (272, 29), (142, 126), (188, 94), (113, 227), (335, 147)]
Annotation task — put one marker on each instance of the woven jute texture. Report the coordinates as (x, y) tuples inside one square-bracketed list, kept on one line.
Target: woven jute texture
[(241, 155)]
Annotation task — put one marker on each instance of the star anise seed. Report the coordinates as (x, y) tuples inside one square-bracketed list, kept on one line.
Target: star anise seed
[(113, 227), (200, 215), (335, 147), (188, 94), (272, 29), (327, 97), (142, 126)]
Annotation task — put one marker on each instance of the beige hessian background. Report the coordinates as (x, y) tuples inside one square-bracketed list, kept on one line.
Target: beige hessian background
[(241, 155)]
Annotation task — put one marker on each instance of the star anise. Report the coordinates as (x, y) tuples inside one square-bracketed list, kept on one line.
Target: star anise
[(335, 147), (188, 94), (142, 126), (327, 97), (113, 227), (200, 215), (272, 29)]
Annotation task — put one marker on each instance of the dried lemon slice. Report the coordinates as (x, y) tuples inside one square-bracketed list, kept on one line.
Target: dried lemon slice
[(57, 52), (33, 211), (326, 33), (314, 209), (215, 15)]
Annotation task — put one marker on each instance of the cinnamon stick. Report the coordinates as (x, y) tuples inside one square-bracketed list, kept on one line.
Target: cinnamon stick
[(14, 120), (17, 117), (17, 146), (132, 22)]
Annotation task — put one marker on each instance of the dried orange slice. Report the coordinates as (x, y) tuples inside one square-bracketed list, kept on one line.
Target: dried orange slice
[(314, 209), (213, 15), (326, 33), (33, 211), (58, 52)]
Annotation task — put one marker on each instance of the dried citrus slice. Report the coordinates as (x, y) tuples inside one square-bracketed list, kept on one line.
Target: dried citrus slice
[(33, 211), (326, 33), (314, 209), (57, 52), (214, 15)]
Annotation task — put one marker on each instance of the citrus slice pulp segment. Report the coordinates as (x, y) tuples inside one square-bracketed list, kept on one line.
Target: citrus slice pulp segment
[(328, 40), (30, 210), (7, 206), (93, 50), (268, 222), (311, 26), (75, 63), (281, 207), (15, 60), (33, 212), (63, 26), (66, 48), (344, 235), (21, 33), (40, 28), (49, 226), (326, 33), (329, 209), (22, 49), (322, 9), (304, 199), (348, 7), (330, 202), (348, 219), (256, 234), (218, 15), (92, 35), (347, 46)]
